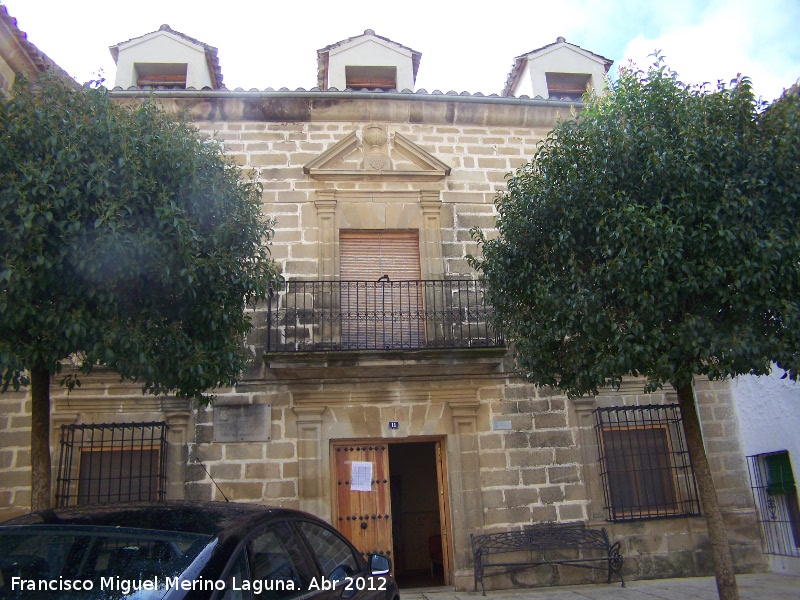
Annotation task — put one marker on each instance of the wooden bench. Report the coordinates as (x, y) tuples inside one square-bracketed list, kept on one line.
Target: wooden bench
[(594, 549)]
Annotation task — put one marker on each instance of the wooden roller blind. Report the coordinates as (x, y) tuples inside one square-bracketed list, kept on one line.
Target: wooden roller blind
[(380, 314), (369, 255)]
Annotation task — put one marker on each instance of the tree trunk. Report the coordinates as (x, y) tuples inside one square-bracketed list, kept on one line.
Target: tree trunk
[(718, 536), (40, 438)]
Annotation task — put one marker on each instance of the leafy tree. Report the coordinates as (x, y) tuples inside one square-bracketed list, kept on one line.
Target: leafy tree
[(126, 240), (657, 234)]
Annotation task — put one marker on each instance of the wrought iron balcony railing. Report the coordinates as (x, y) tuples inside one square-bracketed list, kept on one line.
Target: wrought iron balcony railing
[(315, 316)]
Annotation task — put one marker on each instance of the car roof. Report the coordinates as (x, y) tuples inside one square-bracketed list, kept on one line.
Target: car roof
[(209, 518)]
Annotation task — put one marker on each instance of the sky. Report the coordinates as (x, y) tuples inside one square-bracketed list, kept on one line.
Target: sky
[(465, 46)]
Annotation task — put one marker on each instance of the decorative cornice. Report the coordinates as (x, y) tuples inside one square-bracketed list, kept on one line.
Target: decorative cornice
[(420, 157), (309, 414), (128, 404), (378, 175), (332, 155), (384, 365), (320, 169), (332, 394), (462, 409)]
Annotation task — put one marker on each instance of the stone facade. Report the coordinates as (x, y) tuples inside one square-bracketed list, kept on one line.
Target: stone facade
[(504, 454), (15, 453), (515, 454)]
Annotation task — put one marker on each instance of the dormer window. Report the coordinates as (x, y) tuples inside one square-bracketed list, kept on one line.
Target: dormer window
[(163, 75), (567, 86), (558, 71), (166, 59), (382, 78), (367, 61)]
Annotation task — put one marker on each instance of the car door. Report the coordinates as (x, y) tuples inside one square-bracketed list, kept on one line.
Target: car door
[(278, 565), (340, 564)]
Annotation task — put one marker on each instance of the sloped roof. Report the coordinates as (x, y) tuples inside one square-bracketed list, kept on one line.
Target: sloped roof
[(212, 58), (323, 53), (37, 60), (519, 62)]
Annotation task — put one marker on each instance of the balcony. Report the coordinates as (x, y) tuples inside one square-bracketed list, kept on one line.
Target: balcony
[(383, 315)]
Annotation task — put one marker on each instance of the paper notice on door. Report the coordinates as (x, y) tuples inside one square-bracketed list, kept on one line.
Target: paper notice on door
[(361, 476)]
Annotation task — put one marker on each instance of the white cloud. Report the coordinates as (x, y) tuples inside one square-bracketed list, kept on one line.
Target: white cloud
[(727, 39)]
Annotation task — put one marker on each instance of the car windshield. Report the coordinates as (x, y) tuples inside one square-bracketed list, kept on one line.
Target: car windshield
[(58, 561)]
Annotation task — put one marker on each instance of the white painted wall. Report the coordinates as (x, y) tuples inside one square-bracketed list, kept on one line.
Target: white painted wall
[(769, 415), (162, 47), (369, 51), (561, 58), (768, 409)]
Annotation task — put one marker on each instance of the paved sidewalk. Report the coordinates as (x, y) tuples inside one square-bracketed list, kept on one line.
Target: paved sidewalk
[(756, 586)]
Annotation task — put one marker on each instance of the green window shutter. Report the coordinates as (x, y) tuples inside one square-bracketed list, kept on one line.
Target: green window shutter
[(779, 473)]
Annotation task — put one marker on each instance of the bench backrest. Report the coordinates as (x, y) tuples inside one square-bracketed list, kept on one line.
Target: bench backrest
[(540, 537)]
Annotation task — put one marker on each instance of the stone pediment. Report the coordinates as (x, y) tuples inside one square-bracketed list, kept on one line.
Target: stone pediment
[(373, 154)]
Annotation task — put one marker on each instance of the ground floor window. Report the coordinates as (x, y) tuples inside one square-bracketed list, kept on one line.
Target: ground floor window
[(112, 462), (775, 494), (644, 463)]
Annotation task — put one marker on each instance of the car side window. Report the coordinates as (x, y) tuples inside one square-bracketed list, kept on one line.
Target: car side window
[(237, 582), (280, 568), (334, 555)]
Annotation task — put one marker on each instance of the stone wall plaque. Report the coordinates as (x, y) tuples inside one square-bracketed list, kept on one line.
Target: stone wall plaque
[(243, 423)]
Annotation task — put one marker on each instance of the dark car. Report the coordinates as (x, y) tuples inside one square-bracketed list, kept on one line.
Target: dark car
[(224, 551)]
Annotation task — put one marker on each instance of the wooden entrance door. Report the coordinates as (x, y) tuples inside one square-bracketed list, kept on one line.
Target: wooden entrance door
[(444, 514), (364, 517)]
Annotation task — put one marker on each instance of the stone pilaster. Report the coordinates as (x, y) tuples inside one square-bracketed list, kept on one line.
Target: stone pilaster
[(590, 452), (431, 236), (309, 455), (465, 478), (177, 438), (326, 210)]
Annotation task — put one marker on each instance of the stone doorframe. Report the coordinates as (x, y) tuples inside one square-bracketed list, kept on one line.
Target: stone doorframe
[(451, 414)]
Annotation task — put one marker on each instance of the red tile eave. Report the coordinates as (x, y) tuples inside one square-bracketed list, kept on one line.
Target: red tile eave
[(37, 60)]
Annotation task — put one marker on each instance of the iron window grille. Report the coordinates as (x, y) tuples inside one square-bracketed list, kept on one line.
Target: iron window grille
[(644, 463), (112, 462), (775, 495), (313, 316)]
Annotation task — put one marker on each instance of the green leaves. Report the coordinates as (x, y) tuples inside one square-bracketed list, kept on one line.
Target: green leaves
[(656, 234), (127, 240)]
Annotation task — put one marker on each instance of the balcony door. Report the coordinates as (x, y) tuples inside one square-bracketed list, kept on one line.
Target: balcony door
[(381, 294)]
